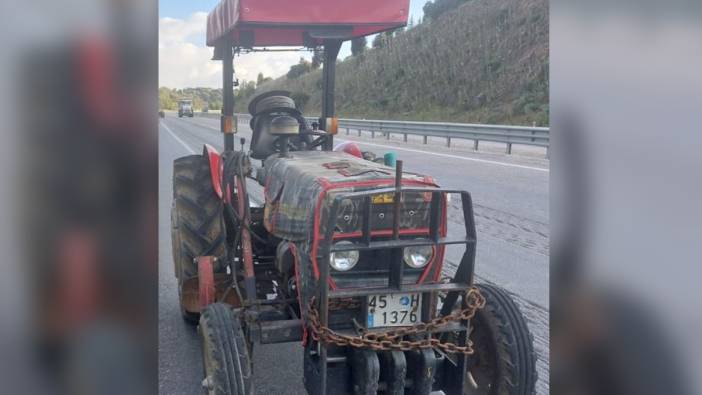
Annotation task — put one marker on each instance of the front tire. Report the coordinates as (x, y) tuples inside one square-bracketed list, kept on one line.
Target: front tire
[(226, 361), (504, 362), (197, 225)]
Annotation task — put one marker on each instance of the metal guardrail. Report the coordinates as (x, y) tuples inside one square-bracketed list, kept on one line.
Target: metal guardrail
[(215, 115), (509, 135)]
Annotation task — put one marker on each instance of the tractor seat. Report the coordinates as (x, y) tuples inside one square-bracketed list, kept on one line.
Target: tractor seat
[(269, 112)]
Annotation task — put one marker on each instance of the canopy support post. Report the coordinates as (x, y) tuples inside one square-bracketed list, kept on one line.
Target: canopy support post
[(226, 124), (331, 52)]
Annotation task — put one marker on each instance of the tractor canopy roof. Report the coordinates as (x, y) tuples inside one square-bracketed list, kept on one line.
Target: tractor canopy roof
[(267, 23)]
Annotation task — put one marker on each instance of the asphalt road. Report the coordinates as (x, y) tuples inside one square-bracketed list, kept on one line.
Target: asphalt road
[(510, 195)]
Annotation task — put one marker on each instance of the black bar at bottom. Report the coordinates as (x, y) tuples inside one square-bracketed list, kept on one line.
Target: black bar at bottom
[(280, 331), (228, 90), (229, 142)]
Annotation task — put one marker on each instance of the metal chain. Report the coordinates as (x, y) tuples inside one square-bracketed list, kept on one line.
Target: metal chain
[(344, 303), (391, 340)]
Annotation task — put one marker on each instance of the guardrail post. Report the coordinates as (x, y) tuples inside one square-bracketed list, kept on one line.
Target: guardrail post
[(475, 144), (448, 142), (425, 139), (372, 134), (405, 137), (548, 152), (509, 148), (359, 132), (387, 136), (347, 131)]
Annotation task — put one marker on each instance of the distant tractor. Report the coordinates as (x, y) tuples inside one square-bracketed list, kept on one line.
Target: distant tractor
[(185, 108), (345, 255)]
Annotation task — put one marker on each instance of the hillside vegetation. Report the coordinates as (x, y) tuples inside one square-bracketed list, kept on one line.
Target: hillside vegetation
[(207, 97), (480, 61), (485, 61), (168, 98)]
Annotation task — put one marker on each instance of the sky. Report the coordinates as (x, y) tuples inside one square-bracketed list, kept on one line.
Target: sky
[(184, 60)]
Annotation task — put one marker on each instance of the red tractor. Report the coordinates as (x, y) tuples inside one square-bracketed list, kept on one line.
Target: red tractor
[(346, 254)]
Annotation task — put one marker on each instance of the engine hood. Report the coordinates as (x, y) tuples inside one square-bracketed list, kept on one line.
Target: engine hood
[(299, 188)]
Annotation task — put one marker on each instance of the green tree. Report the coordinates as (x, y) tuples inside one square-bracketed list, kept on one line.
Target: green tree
[(358, 45), (379, 41), (433, 9), (299, 69), (245, 91), (215, 105), (317, 58), (429, 9), (300, 99), (167, 99), (260, 80)]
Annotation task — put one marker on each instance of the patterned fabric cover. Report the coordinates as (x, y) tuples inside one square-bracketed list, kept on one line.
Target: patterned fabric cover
[(300, 188)]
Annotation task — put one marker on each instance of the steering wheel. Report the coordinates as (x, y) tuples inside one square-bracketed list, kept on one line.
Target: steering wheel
[(295, 143), (302, 141), (321, 138)]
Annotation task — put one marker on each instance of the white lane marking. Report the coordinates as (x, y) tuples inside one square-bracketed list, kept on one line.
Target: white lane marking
[(492, 162), (187, 147), (253, 198)]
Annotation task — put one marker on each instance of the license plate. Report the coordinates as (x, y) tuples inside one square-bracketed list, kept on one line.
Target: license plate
[(383, 198), (394, 310)]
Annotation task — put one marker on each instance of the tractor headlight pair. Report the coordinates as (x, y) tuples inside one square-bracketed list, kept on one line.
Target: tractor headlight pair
[(415, 257)]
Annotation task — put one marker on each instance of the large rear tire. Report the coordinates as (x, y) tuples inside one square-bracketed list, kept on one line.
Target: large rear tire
[(226, 359), (197, 223), (504, 362)]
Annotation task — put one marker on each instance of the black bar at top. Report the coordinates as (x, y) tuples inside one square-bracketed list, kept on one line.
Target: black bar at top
[(228, 92), (367, 212), (396, 201), (434, 215)]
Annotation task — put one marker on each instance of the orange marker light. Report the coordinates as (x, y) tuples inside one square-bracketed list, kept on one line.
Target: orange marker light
[(228, 124), (332, 125)]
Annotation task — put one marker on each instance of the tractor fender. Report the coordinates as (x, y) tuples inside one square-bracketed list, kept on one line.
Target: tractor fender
[(215, 160)]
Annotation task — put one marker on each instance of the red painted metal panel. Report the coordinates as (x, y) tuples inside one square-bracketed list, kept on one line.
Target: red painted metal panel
[(266, 18), (206, 282), (215, 168)]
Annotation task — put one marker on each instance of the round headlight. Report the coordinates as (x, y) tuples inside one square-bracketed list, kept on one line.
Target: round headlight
[(343, 260), (417, 256)]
